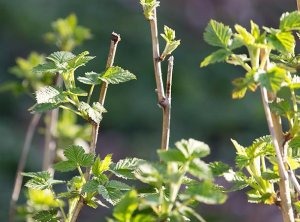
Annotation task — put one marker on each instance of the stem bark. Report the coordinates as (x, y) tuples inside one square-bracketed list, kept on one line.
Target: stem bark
[(21, 165)]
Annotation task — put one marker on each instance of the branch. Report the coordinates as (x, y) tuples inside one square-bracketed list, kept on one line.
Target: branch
[(115, 39), (277, 137), (21, 165), (298, 5), (294, 181), (166, 105), (51, 128)]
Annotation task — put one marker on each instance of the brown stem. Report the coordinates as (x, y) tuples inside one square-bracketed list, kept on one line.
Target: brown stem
[(298, 5), (21, 165), (166, 105), (275, 129), (115, 39), (51, 128)]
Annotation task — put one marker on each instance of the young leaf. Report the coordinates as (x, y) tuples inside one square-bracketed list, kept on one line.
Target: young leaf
[(149, 6), (91, 186), (219, 168), (220, 55), (125, 168), (43, 107), (205, 192), (94, 113), (171, 43), (46, 216), (90, 78), (65, 166), (290, 21), (125, 208), (244, 36), (217, 34), (79, 60), (171, 155), (193, 148), (101, 166), (77, 92), (60, 57), (78, 155), (114, 184), (283, 42), (273, 79), (200, 169), (116, 75), (40, 180)]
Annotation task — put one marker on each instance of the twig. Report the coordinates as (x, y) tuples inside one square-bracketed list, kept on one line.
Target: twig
[(298, 5), (167, 107), (277, 137), (19, 178), (294, 181), (51, 128), (95, 129)]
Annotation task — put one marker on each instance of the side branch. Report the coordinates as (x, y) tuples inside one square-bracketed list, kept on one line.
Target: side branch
[(166, 105), (298, 5), (115, 39), (19, 178)]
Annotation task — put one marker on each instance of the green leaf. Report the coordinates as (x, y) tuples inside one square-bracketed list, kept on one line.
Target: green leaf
[(295, 143), (79, 60), (46, 216), (77, 154), (48, 94), (40, 108), (116, 75), (200, 169), (117, 185), (151, 174), (171, 155), (255, 32), (60, 57), (219, 168), (90, 78), (45, 68), (94, 113), (125, 168), (281, 108), (205, 192), (124, 210), (220, 55), (242, 84), (193, 148), (77, 92), (273, 79), (148, 7), (283, 42), (65, 166), (101, 166), (91, 186), (40, 180), (290, 21), (217, 34), (244, 36), (270, 176), (238, 179)]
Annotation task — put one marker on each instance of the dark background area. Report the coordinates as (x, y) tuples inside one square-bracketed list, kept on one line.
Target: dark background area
[(202, 107)]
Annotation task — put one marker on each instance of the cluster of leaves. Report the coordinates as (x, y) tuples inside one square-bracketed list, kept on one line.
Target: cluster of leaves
[(175, 186), (270, 63), (67, 34), (95, 191), (171, 43), (65, 64), (148, 7)]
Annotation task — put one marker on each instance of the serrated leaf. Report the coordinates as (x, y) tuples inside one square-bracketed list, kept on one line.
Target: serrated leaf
[(77, 92), (244, 36), (65, 166), (90, 78), (46, 216), (40, 180), (218, 168), (60, 57), (290, 21), (193, 148), (123, 211), (282, 41), (48, 94), (217, 34), (77, 154), (48, 67), (125, 168), (148, 7), (94, 113), (255, 32), (200, 169), (280, 108), (272, 79), (79, 60), (40, 108), (220, 55), (238, 179), (151, 174), (91, 186), (205, 192), (117, 185), (270, 176), (171, 155), (116, 75)]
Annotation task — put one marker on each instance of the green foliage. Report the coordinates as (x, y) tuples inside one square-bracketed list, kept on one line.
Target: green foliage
[(46, 216), (76, 157), (220, 55), (125, 168), (272, 79), (167, 197), (148, 7), (217, 34), (93, 112), (290, 21), (171, 43), (40, 180), (116, 75), (67, 34)]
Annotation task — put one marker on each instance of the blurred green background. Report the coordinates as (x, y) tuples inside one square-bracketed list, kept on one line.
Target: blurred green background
[(202, 107)]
